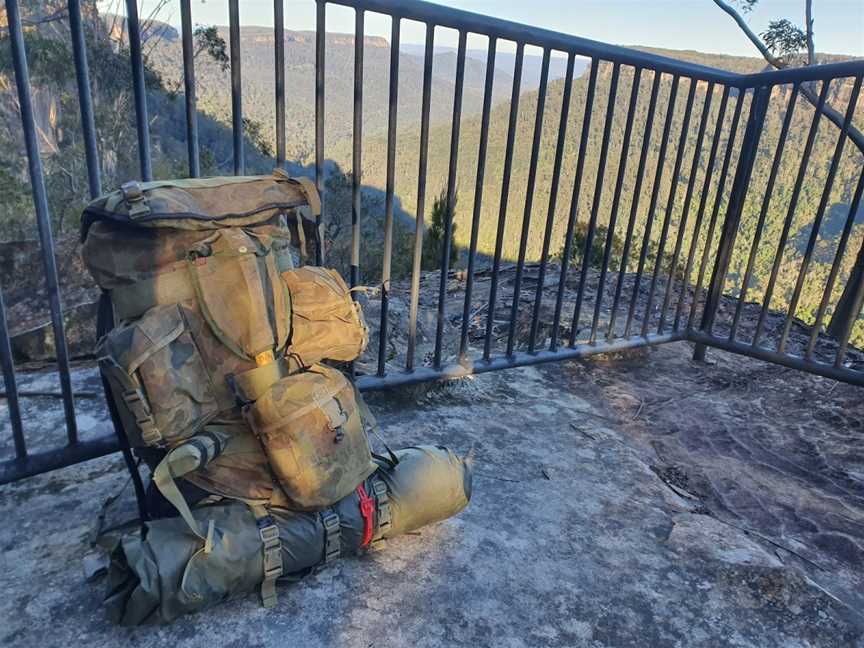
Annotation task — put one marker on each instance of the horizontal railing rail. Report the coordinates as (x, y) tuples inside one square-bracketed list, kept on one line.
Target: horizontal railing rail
[(466, 21), (665, 236)]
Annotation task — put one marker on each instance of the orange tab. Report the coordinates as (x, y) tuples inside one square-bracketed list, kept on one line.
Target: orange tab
[(263, 358)]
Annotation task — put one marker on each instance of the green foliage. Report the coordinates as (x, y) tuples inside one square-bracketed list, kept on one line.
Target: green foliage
[(16, 202), (255, 133), (338, 197), (57, 114), (784, 38), (598, 247), (693, 243), (435, 236), (207, 39)]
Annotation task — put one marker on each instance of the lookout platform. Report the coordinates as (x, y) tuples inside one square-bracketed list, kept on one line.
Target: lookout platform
[(618, 501)]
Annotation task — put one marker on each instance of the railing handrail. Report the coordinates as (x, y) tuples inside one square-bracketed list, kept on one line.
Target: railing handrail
[(803, 74), (459, 19), (434, 14)]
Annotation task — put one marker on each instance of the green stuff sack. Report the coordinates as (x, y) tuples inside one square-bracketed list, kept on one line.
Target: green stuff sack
[(173, 572)]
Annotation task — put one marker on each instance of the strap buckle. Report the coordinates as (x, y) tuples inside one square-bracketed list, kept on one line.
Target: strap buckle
[(134, 197), (382, 500), (140, 409), (379, 488), (332, 536), (132, 191), (269, 534)]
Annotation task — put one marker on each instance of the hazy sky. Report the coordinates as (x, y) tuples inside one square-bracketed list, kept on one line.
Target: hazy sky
[(676, 24)]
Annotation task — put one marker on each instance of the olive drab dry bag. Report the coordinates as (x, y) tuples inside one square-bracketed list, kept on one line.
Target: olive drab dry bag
[(168, 573)]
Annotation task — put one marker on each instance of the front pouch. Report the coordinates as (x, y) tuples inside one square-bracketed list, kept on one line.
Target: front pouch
[(313, 435), (326, 323), (241, 296), (163, 391)]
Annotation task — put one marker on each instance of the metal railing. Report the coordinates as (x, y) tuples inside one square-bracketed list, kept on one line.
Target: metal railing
[(671, 246)]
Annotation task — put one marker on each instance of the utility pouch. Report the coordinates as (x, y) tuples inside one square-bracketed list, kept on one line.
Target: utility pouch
[(313, 435), (241, 296), (326, 323), (162, 388)]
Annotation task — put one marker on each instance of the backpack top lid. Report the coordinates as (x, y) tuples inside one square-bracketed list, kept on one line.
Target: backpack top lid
[(202, 203)]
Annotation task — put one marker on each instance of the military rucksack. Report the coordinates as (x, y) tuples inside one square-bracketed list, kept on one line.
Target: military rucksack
[(217, 328), (218, 370)]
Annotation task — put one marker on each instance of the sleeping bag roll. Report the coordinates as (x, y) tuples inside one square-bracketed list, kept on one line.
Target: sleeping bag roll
[(172, 571)]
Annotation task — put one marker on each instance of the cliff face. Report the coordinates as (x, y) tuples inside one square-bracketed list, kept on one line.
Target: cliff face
[(26, 299), (57, 115)]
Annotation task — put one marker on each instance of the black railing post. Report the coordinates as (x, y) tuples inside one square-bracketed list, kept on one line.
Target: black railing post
[(236, 87), (142, 122), (85, 98), (851, 299), (357, 151), (189, 89), (43, 217), (279, 71), (421, 198), (320, 34), (738, 194), (386, 261), (11, 384)]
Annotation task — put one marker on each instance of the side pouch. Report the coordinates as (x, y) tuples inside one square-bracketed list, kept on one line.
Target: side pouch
[(240, 293), (313, 435), (326, 323), (160, 383)]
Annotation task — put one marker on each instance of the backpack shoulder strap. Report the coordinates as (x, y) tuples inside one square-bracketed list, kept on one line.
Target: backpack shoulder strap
[(370, 422)]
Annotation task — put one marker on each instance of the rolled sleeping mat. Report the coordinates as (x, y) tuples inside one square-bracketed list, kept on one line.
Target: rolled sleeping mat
[(173, 572)]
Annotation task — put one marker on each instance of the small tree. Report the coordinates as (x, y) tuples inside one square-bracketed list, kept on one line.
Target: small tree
[(783, 45), (435, 234)]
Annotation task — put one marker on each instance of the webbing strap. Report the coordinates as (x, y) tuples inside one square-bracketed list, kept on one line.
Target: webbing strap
[(371, 423), (272, 548), (164, 480), (301, 234), (195, 453), (332, 536), (382, 504), (134, 400)]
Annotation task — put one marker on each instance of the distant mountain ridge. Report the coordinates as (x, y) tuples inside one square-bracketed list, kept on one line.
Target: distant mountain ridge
[(257, 68), (505, 62)]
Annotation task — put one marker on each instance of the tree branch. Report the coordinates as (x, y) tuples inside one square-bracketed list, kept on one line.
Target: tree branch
[(750, 34), (31, 21), (834, 116), (811, 47)]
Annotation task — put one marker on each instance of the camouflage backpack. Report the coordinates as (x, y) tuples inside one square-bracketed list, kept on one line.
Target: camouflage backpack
[(220, 338)]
